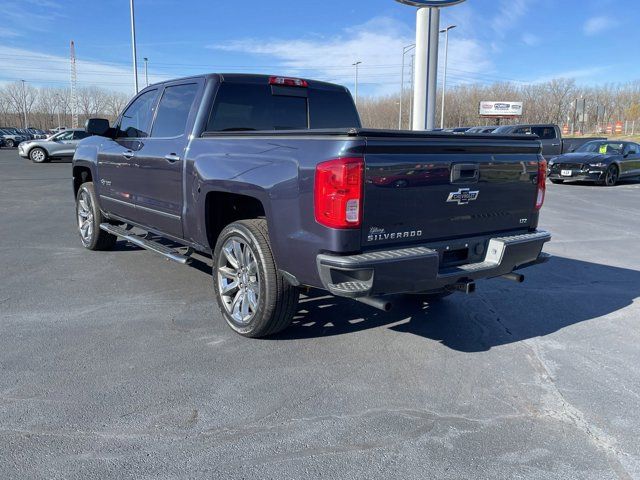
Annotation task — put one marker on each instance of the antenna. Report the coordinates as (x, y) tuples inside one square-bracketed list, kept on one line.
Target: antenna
[(74, 88)]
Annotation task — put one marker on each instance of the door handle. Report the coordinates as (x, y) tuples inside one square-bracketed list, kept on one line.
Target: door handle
[(555, 144), (128, 154), (172, 158)]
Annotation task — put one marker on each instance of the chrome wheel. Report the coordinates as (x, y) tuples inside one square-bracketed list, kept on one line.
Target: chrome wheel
[(37, 155), (238, 279), (85, 217)]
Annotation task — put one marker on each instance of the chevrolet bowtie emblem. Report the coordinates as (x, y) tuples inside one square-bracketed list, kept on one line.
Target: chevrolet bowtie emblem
[(463, 196)]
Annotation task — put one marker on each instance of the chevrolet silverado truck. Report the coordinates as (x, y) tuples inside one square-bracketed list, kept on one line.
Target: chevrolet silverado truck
[(278, 182), (550, 136)]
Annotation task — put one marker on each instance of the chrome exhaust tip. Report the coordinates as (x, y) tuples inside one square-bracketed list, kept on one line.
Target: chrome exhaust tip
[(514, 277)]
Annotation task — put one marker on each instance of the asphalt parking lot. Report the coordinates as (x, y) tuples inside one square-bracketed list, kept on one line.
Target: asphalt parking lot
[(115, 365)]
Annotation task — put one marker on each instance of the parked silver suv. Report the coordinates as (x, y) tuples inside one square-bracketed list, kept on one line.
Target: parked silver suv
[(61, 144)]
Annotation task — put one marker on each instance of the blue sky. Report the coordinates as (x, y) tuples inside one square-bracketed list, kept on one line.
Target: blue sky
[(593, 41)]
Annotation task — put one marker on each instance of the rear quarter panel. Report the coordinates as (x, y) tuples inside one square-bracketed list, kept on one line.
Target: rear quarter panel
[(280, 172)]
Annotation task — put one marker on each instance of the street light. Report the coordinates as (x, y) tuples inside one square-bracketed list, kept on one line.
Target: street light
[(146, 71), (405, 50), (133, 47), (356, 65), (444, 78)]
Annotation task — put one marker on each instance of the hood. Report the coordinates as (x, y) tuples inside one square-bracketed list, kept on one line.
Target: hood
[(583, 157)]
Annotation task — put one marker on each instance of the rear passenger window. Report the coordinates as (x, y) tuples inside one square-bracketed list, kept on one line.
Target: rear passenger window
[(545, 133), (137, 118), (173, 110)]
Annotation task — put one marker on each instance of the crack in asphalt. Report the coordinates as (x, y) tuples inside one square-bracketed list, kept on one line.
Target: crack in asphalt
[(558, 407)]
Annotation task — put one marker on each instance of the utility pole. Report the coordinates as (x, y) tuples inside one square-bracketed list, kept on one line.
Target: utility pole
[(133, 47), (74, 88), (356, 65), (405, 50), (24, 104), (444, 78), (146, 71)]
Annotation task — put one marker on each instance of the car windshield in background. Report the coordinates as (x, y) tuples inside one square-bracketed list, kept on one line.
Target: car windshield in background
[(602, 147)]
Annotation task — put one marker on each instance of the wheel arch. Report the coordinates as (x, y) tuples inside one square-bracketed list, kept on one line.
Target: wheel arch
[(81, 173), (223, 207), (38, 146)]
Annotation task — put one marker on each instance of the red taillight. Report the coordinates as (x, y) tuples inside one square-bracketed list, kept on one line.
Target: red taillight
[(542, 183), (288, 82), (338, 192)]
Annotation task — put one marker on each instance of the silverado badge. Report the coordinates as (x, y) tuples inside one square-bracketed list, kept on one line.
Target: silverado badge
[(463, 196)]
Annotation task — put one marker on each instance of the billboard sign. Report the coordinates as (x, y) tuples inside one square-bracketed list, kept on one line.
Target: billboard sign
[(500, 109)]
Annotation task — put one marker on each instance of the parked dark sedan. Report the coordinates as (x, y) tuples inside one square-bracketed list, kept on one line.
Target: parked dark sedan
[(601, 161)]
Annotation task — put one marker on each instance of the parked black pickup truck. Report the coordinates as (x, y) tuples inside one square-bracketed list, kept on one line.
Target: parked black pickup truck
[(276, 179), (550, 135)]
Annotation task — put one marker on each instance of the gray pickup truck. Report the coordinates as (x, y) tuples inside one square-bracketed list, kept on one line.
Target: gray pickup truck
[(550, 136), (276, 179)]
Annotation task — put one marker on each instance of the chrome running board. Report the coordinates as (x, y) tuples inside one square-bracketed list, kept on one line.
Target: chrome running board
[(167, 252)]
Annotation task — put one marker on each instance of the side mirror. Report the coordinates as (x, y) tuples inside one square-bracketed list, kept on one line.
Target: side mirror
[(97, 126), (572, 149)]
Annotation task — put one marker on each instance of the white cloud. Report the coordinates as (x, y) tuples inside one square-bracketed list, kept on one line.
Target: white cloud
[(8, 32), (581, 73), (377, 44), (596, 25), (508, 16), (53, 70), (530, 39)]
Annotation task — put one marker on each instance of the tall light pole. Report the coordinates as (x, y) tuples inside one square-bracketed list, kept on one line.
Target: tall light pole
[(405, 50), (24, 103), (356, 65), (133, 47), (426, 68), (146, 71), (444, 77)]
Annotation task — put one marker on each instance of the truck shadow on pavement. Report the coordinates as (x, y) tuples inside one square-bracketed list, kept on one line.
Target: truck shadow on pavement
[(556, 295)]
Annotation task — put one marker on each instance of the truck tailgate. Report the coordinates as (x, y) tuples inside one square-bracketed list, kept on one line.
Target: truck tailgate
[(427, 189)]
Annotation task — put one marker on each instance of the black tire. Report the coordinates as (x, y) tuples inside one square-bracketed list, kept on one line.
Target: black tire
[(10, 143), (97, 239), (611, 176), (557, 182), (38, 155), (277, 299)]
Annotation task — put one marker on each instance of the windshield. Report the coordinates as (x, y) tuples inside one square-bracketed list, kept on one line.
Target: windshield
[(602, 147), (503, 129)]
